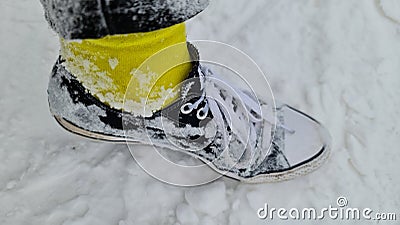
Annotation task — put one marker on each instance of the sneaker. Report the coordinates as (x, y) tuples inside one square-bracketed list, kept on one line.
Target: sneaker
[(228, 129)]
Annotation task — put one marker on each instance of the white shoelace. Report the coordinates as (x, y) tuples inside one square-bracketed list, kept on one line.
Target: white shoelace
[(252, 105)]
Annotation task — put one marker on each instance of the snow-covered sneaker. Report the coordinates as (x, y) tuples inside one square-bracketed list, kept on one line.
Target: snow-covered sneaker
[(226, 128)]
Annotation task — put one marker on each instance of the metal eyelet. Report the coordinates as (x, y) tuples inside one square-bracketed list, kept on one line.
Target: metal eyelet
[(204, 114), (187, 108), (201, 114)]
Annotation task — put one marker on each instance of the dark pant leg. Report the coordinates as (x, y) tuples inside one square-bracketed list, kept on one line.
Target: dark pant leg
[(81, 19)]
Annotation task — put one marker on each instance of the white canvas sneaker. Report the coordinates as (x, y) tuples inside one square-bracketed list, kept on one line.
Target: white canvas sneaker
[(228, 129)]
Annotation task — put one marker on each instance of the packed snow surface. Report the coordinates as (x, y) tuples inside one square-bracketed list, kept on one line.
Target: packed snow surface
[(337, 60)]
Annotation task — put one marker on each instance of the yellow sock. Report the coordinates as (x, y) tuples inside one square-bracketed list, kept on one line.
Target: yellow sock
[(106, 66)]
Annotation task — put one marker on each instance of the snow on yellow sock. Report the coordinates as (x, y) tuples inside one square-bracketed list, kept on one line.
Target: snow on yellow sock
[(106, 66)]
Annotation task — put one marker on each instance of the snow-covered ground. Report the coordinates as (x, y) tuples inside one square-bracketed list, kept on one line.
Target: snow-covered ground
[(338, 60)]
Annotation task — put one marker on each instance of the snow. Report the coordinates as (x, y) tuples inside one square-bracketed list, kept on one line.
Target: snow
[(208, 199), (391, 9), (338, 60), (113, 63), (186, 215)]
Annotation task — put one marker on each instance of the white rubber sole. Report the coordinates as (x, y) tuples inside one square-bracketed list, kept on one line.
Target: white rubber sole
[(297, 171)]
